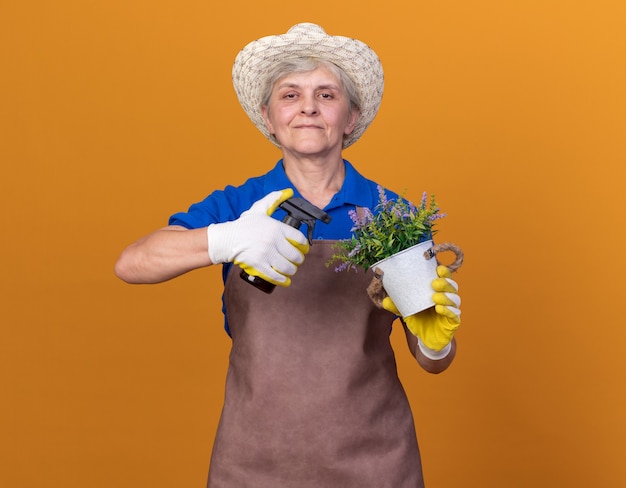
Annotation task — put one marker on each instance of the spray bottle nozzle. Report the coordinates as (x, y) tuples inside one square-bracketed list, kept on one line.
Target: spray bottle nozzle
[(299, 212)]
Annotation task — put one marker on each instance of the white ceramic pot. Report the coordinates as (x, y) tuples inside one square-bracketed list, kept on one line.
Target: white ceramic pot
[(407, 278)]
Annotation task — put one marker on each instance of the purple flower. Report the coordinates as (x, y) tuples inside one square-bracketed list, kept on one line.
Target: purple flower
[(382, 197), (355, 251), (359, 223), (424, 200), (436, 216), (354, 217)]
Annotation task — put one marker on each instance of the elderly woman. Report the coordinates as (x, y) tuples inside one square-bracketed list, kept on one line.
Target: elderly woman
[(312, 394)]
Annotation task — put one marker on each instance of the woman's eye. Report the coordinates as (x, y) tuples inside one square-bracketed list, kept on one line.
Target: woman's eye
[(326, 96)]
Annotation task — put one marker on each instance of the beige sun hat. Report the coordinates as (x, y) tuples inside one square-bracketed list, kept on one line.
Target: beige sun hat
[(253, 64)]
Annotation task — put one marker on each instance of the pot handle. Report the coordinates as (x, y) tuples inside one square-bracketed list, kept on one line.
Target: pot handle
[(446, 246)]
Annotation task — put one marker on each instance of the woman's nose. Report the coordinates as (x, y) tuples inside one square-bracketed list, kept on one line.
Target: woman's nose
[(309, 105)]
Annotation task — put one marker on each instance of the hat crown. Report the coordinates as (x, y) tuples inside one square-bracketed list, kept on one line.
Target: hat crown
[(306, 27)]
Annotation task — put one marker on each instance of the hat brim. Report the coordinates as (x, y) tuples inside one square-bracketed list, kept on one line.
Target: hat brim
[(254, 62)]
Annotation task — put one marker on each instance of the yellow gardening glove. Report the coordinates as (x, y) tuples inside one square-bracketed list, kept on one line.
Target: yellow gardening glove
[(435, 326)]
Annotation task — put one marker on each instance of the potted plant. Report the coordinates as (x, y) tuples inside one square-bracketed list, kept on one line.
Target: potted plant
[(395, 240)]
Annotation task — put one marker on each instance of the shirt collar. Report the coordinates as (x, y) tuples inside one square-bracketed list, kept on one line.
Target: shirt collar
[(351, 191)]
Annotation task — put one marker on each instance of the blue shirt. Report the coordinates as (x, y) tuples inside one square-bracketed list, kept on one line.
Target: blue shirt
[(230, 203)]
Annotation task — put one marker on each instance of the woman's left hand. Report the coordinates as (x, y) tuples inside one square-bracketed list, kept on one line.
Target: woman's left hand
[(435, 326)]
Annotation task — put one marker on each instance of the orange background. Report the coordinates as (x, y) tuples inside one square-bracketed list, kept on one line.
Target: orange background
[(116, 114)]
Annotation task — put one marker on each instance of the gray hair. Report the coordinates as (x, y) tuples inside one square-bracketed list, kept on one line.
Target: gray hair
[(305, 65)]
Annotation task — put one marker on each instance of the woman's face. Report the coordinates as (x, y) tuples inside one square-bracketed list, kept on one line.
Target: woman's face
[(309, 113)]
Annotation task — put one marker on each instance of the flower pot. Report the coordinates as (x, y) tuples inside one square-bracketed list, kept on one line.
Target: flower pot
[(407, 275)]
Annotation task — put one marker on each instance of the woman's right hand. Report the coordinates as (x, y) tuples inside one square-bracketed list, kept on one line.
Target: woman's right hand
[(261, 245)]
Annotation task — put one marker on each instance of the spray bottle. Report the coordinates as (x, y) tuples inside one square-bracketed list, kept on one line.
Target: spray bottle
[(299, 212)]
